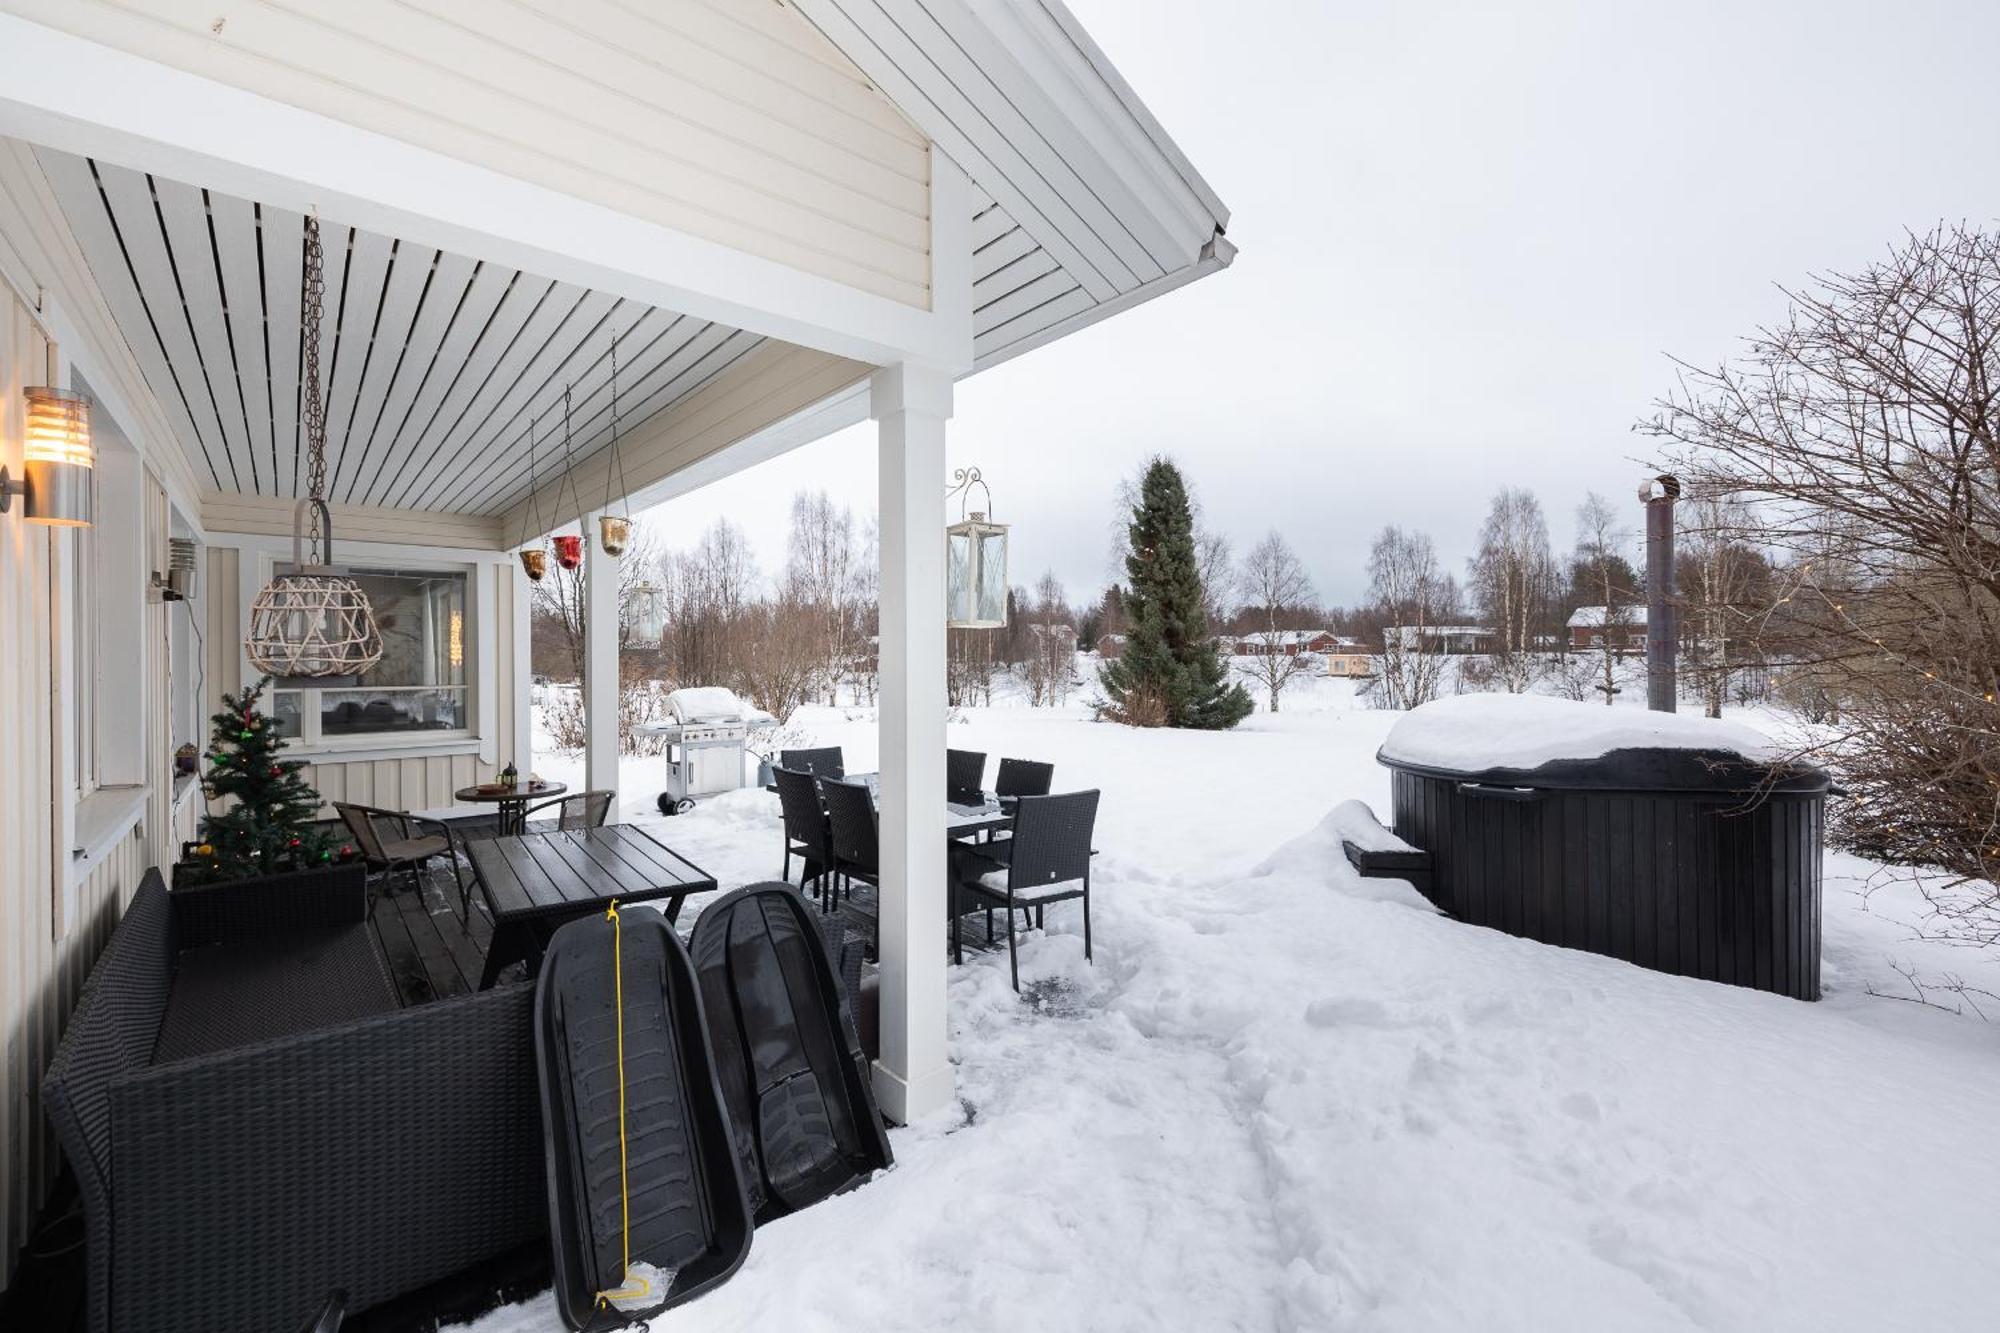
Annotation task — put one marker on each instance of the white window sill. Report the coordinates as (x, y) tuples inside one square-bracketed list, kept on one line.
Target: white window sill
[(103, 818), (362, 750)]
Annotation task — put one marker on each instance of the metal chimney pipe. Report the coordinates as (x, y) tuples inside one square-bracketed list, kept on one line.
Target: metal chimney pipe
[(1662, 641)]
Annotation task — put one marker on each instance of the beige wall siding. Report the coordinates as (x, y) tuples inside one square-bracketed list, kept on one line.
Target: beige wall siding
[(735, 122), (415, 782), (272, 517), (45, 951)]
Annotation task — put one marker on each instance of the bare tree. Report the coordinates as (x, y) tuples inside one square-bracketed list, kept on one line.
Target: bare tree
[(823, 577), (1049, 667), (706, 590), (1410, 594), (1723, 591), (1863, 435), (1600, 543), (1218, 574), (1513, 579), (557, 598), (1273, 582)]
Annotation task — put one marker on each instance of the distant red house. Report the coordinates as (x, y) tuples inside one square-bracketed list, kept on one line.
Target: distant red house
[(1622, 628), (1111, 645), (1288, 642)]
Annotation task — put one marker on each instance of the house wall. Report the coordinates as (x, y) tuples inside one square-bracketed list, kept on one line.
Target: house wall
[(57, 910), (737, 123), (405, 778)]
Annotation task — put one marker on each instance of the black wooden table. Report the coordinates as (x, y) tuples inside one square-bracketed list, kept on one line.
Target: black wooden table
[(961, 819), (536, 881), (512, 801)]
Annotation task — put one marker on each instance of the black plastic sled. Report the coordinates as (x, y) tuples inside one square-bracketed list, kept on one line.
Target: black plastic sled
[(687, 1207), (801, 1104)]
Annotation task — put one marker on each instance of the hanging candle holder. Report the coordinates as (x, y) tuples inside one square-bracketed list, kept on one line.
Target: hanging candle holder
[(569, 549), (534, 559), (615, 530)]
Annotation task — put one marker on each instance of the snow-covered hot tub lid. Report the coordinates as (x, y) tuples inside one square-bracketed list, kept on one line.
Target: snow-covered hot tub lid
[(1534, 740)]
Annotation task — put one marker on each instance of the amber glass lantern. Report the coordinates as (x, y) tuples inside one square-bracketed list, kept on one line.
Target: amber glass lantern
[(57, 462)]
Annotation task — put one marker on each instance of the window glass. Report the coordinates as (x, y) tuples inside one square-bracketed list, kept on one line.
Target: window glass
[(419, 685)]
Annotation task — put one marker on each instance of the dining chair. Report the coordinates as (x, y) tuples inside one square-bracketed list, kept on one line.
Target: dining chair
[(850, 813), (1046, 861), (826, 762), (964, 776), (578, 810), (1023, 777), (409, 845), (808, 834)]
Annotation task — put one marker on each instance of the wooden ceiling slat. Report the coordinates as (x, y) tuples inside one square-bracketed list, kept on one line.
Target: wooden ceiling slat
[(443, 305), (131, 202), (367, 270), (405, 293), (184, 214), (234, 223), (90, 219), (283, 240)]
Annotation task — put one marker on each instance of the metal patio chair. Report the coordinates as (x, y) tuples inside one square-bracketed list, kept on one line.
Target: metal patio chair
[(392, 840), (1046, 861)]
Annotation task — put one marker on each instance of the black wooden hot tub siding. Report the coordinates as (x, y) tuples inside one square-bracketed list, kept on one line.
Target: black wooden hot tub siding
[(1700, 884)]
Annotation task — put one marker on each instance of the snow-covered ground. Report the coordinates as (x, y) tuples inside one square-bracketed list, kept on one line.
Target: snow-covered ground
[(1287, 1098)]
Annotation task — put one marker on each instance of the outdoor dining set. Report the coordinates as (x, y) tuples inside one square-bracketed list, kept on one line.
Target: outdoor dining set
[(1015, 848)]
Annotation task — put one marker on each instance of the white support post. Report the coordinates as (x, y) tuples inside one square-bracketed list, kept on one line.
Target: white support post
[(910, 404), (600, 664)]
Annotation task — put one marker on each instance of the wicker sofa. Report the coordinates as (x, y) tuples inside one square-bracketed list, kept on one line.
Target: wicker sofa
[(254, 1122)]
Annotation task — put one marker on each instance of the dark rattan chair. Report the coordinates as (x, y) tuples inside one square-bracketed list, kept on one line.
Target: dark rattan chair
[(392, 840), (808, 835), (1046, 861), (850, 812), (579, 810), (1023, 777), (964, 776), (822, 763)]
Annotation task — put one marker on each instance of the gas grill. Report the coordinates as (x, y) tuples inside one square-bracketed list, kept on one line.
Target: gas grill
[(706, 734)]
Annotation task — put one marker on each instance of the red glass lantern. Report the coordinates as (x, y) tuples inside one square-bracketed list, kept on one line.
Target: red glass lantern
[(569, 552)]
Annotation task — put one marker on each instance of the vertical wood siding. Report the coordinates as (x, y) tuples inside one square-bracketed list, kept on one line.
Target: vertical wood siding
[(41, 971), (735, 122)]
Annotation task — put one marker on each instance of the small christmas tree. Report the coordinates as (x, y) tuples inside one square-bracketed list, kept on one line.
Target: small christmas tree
[(269, 827), (1171, 673)]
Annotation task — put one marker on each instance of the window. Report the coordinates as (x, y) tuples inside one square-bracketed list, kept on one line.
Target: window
[(419, 689)]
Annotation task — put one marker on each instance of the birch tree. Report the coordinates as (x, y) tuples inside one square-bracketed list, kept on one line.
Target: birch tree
[(1273, 583), (1513, 581), (1600, 562)]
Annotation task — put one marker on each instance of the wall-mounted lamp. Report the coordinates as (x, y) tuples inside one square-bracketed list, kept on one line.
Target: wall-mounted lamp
[(55, 486)]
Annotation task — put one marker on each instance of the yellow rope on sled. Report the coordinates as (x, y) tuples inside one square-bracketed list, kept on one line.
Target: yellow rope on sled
[(631, 1290)]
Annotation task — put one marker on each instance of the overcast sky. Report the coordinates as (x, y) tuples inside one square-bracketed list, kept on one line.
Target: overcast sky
[(1471, 235)]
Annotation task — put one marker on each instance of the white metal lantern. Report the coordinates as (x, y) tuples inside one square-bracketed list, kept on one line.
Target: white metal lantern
[(975, 562), (310, 626), (646, 617)]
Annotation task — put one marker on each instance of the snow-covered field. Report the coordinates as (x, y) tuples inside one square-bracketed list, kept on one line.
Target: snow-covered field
[(1287, 1098)]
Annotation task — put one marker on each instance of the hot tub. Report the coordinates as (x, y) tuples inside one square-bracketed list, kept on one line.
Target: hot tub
[(1681, 844)]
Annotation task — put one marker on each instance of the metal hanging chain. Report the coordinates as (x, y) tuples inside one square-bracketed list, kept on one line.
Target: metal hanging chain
[(533, 512), (569, 465), (315, 404), (617, 455)]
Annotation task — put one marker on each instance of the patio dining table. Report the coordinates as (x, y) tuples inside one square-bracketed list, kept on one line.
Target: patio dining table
[(961, 819), (535, 882)]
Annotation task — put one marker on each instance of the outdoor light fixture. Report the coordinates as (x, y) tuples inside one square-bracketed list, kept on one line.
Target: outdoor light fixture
[(975, 560), (57, 463), (310, 627)]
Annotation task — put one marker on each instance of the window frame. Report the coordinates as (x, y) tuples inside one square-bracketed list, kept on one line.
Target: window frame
[(312, 741)]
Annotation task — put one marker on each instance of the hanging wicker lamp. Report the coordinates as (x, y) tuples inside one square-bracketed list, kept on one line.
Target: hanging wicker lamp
[(310, 626)]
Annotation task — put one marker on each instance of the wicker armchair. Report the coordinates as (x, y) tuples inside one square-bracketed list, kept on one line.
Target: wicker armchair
[(392, 840), (1024, 777), (821, 763), (1046, 861), (964, 776)]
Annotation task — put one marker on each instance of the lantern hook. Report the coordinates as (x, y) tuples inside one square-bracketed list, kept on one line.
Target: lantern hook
[(962, 481)]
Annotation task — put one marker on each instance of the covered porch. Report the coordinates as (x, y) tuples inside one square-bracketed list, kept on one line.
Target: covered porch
[(785, 219)]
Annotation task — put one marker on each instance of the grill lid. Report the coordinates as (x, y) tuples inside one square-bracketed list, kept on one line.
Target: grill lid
[(708, 704)]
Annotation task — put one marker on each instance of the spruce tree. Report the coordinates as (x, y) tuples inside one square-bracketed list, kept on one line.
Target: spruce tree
[(1171, 672), (270, 827)]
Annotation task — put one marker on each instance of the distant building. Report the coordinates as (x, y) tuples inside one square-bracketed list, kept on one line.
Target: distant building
[(1065, 635), (1347, 660), (1622, 628), (1452, 639), (1285, 642), (1111, 645)]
